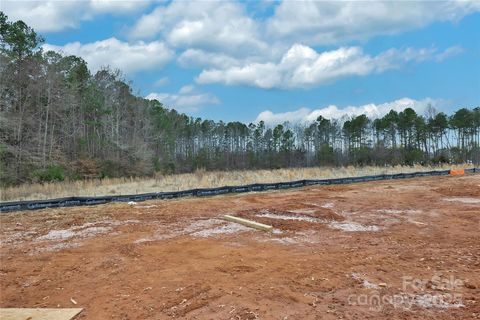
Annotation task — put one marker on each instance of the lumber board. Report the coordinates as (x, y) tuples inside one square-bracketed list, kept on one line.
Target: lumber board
[(248, 223), (39, 313)]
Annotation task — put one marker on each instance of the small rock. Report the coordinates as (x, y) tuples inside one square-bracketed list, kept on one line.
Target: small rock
[(382, 284), (470, 285)]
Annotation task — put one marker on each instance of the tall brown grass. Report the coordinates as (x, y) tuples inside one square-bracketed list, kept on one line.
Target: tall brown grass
[(198, 179)]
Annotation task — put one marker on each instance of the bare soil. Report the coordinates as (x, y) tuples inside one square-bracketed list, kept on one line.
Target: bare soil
[(406, 249)]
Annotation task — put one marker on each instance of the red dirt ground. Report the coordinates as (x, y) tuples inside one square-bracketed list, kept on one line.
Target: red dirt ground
[(414, 244)]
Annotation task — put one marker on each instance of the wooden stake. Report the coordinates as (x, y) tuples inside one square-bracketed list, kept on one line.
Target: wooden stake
[(248, 223)]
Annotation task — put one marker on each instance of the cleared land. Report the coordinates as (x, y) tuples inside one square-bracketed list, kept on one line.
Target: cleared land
[(414, 244), (199, 179)]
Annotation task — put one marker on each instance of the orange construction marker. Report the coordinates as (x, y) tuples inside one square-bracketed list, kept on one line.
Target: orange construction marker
[(456, 172)]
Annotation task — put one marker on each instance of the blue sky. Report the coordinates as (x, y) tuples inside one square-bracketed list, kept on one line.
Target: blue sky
[(275, 61)]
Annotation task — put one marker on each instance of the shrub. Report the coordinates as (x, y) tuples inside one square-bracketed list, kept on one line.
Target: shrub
[(51, 173), (108, 169)]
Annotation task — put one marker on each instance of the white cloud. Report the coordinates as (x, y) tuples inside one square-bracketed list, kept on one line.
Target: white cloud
[(54, 15), (333, 22), (297, 116), (128, 57), (235, 48), (162, 82), (213, 25), (306, 115), (188, 99), (117, 6), (450, 52), (46, 16), (210, 25), (186, 89), (301, 66), (191, 58)]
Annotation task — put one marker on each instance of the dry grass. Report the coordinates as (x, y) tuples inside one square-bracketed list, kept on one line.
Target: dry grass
[(199, 179)]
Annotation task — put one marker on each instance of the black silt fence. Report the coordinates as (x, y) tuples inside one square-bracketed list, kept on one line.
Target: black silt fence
[(205, 192)]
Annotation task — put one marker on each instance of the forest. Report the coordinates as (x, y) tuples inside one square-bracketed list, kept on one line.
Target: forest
[(59, 121)]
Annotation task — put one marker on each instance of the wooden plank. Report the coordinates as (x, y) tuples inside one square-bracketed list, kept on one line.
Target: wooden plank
[(248, 223), (38, 313)]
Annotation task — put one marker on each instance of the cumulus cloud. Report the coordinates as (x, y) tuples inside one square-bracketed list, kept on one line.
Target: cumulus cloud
[(188, 99), (332, 22), (215, 34), (212, 24), (450, 52), (192, 58), (54, 16), (235, 46), (207, 25), (128, 57), (161, 82), (117, 6), (301, 66), (45, 16), (372, 110)]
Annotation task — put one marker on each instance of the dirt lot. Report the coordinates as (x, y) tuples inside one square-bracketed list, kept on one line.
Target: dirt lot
[(394, 249)]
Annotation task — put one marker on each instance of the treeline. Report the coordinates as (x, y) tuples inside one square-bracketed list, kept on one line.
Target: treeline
[(57, 121)]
